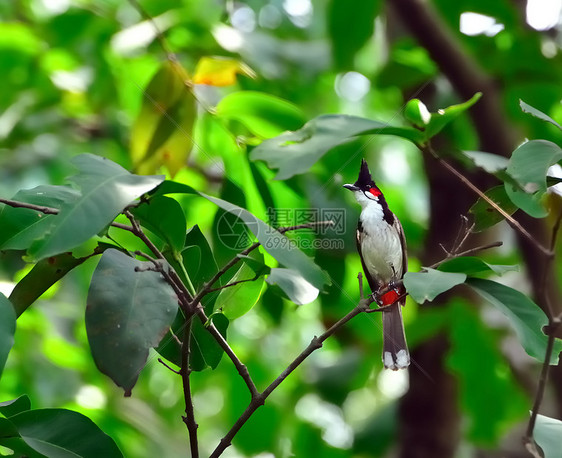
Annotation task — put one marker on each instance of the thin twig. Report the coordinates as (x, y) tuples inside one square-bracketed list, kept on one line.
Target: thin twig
[(260, 398), (466, 253), (51, 211), (553, 325), (240, 367), (207, 286), (161, 361), (509, 219), (234, 283), (185, 372)]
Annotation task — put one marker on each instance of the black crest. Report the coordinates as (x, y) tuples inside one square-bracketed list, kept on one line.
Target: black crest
[(364, 181)]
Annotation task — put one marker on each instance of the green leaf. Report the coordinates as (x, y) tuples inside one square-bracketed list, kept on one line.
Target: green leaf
[(205, 351), (15, 406), (297, 289), (264, 115), (21, 226), (491, 163), (106, 189), (484, 377), (529, 203), (238, 300), (547, 434), (162, 132), (471, 265), (230, 235), (63, 433), (485, 216), (350, 26), (14, 442), (525, 316), (294, 153), (426, 286), (198, 258), (443, 117), (7, 330), (44, 275), (537, 113), (165, 218), (528, 166), (276, 244), (128, 313)]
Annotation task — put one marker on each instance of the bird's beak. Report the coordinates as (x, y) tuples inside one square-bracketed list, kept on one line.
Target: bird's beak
[(351, 187)]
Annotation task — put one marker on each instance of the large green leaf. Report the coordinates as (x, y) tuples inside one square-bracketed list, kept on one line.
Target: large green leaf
[(63, 433), (485, 216), (488, 393), (297, 289), (537, 113), (275, 243), (547, 434), (263, 114), (471, 265), (162, 132), (7, 329), (21, 226), (106, 189), (524, 315), (528, 166), (164, 217), (44, 275), (229, 234), (239, 299), (128, 313), (426, 286), (350, 25), (15, 406), (294, 153)]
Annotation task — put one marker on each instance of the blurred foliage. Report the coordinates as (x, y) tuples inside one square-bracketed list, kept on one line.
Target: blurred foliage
[(77, 76)]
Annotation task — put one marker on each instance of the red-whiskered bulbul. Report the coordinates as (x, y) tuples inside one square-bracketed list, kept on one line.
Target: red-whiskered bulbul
[(382, 248)]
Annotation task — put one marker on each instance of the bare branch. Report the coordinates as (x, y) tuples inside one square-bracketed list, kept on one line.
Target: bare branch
[(260, 398), (234, 283), (161, 361), (553, 325), (50, 211), (509, 219), (207, 286), (240, 367), (185, 372)]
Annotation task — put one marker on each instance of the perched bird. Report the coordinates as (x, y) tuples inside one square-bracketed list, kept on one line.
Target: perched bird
[(382, 248)]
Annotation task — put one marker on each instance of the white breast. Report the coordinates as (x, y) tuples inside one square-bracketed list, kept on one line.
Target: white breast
[(380, 246)]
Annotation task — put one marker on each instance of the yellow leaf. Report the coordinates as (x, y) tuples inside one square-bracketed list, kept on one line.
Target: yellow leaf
[(220, 71)]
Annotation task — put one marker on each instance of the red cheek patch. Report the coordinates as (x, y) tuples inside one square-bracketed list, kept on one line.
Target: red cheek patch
[(375, 192)]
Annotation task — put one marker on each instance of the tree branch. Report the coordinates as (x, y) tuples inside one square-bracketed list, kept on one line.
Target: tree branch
[(509, 219), (260, 398), (50, 211), (553, 326), (207, 287), (185, 372), (240, 367)]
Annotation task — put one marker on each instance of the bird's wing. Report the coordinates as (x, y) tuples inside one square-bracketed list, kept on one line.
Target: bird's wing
[(359, 239)]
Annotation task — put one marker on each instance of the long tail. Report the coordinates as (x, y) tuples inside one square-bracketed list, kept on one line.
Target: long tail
[(395, 353)]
